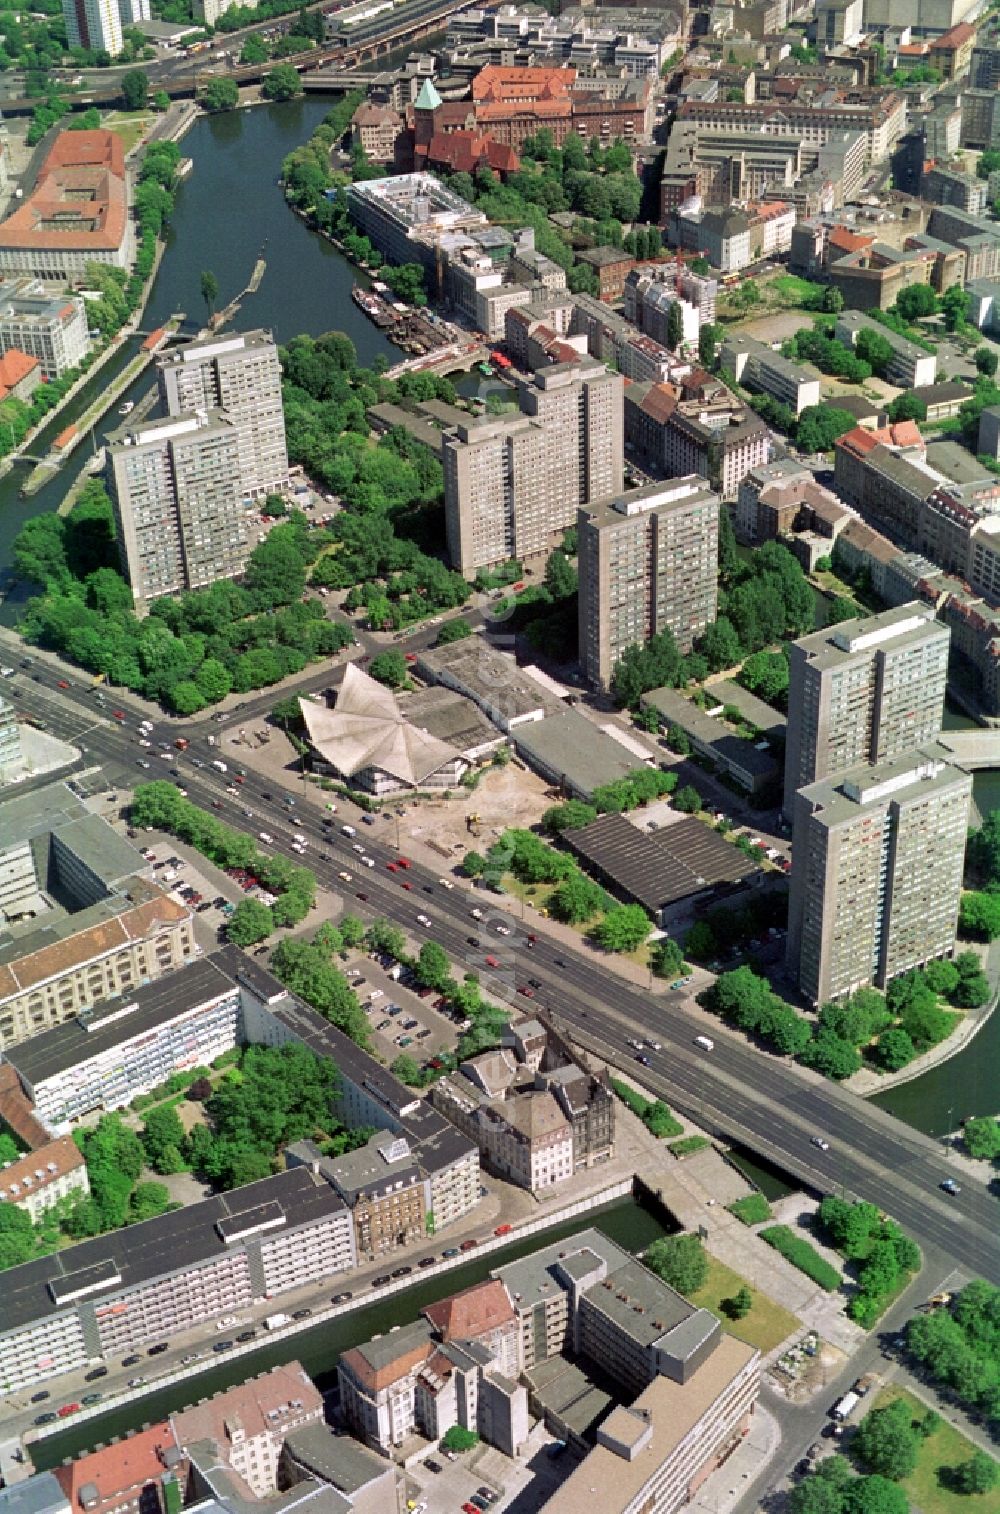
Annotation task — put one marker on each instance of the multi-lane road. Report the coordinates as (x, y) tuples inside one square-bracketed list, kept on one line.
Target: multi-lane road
[(735, 1090)]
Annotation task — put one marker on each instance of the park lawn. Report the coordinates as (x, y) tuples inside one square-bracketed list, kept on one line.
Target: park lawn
[(947, 1447), (131, 126), (767, 1324), (791, 288)]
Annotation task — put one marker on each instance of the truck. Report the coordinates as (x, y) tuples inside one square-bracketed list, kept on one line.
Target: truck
[(218, 763), (182, 743), (844, 1406), (275, 1321)]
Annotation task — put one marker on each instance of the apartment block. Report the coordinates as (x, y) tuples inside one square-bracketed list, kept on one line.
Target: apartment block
[(247, 1426), (909, 365), (976, 236), (143, 1473), (866, 691), (880, 114), (879, 853), (382, 1186), (648, 563), (94, 24), (108, 1296), (123, 1047), (176, 486), (511, 484), (46, 1175), (11, 760), (945, 187), (51, 328), (241, 375)]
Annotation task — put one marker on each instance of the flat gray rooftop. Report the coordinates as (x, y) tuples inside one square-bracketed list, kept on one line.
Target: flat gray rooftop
[(569, 748)]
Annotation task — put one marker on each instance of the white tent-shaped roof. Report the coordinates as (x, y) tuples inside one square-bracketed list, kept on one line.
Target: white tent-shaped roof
[(368, 730)]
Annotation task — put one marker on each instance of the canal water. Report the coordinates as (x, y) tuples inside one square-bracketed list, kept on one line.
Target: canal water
[(228, 212), (625, 1221)]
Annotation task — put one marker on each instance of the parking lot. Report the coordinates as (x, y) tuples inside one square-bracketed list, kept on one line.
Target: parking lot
[(522, 1484), (402, 1016)]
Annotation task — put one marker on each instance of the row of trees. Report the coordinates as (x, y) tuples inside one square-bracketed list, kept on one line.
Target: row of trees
[(860, 1233), (959, 1347)]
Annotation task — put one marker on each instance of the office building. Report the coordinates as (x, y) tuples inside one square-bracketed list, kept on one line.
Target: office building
[(879, 114), (879, 853), (78, 211), (178, 496), (81, 922), (755, 365), (866, 691), (51, 328), (94, 24), (946, 186), (241, 375), (511, 484), (124, 1047), (839, 22), (45, 1176), (908, 367), (38, 1494), (648, 563), (110, 1295)]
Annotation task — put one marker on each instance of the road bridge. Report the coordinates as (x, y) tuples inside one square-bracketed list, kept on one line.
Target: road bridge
[(975, 749)]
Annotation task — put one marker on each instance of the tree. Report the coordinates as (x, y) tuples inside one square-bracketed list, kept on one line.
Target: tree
[(384, 937), (9, 1150), (560, 575), (680, 1261), (979, 916), (875, 1495), (459, 1439), (667, 959), (250, 922), (254, 50), (986, 361), (766, 675), (915, 301), (160, 100), (135, 89), (572, 815), (219, 95), (623, 929), (209, 289), (389, 668), (282, 83), (833, 300), (453, 630), (977, 1475), (981, 1137), (832, 1056), (675, 326), (147, 1201), (708, 341), (875, 349), (820, 425), (895, 1049), (700, 942), (739, 1305), (908, 406), (407, 1069), (720, 645), (886, 1442), (432, 968), (687, 800), (954, 306), (17, 1237), (577, 899), (163, 1139)]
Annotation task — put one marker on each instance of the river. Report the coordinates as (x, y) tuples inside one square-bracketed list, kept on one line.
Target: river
[(319, 1348), (229, 210)]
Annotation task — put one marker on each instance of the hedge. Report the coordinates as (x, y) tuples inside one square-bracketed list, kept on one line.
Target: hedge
[(688, 1145), (752, 1210), (802, 1255)]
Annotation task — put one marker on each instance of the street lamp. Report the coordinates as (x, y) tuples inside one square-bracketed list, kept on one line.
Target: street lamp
[(946, 1139)]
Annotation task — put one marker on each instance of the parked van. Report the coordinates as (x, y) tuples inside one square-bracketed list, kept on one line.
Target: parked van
[(348, 830), (218, 763), (705, 1042), (843, 1407)]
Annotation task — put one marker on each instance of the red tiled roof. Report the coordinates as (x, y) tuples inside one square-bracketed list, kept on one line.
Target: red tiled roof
[(518, 86), (118, 1469), (79, 200), (954, 38), (474, 1312), (15, 366), (32, 1173), (849, 241), (463, 151)]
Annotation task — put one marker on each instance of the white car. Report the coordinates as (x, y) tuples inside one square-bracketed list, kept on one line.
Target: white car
[(266, 836), (357, 847), (144, 742), (298, 847), (503, 930), (424, 920), (476, 914), (376, 993), (368, 861), (346, 877), (445, 883), (819, 1141)]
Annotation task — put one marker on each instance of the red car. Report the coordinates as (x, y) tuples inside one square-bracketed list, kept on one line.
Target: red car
[(469, 1245), (492, 962), (503, 1230), (408, 886), (404, 862), (529, 993), (469, 1508), (216, 804), (411, 656), (118, 714), (392, 867), (62, 684), (238, 778), (68, 1409), (532, 938)]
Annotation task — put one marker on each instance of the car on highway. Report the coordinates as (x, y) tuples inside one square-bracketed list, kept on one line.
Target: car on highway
[(820, 1142), (503, 930), (218, 1346), (342, 1298), (131, 1361), (141, 762), (62, 684), (302, 1314), (425, 921), (529, 993), (643, 1059), (380, 1282), (118, 714), (45, 1419), (39, 1398), (91, 1398), (136, 1382), (950, 1186), (402, 1271)]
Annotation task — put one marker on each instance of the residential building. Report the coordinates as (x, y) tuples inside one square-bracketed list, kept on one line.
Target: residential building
[(374, 129), (247, 1426), (113, 1051), (93, 24), (382, 1187), (37, 1494), (48, 327), (865, 691), (210, 11), (724, 236), (81, 921), (976, 236), (78, 211), (838, 22), (651, 288), (613, 340), (879, 853), (909, 364), (720, 440), (648, 562), (438, 1372), (757, 367), (980, 118), (107, 1296), (947, 187), (177, 490), (20, 375), (143, 1473), (952, 51), (510, 484), (239, 374), (984, 66), (535, 1113), (942, 131), (43, 1177), (11, 761)]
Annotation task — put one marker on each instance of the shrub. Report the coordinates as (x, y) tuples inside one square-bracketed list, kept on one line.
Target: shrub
[(688, 1145), (751, 1210), (802, 1255)]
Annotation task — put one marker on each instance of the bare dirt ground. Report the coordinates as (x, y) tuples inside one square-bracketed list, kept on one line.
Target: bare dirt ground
[(504, 797)]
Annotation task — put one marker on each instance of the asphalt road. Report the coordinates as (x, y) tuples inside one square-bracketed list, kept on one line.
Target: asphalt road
[(736, 1091)]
